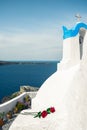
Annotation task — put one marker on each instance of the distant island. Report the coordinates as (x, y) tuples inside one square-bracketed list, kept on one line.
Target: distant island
[(8, 62), (24, 62)]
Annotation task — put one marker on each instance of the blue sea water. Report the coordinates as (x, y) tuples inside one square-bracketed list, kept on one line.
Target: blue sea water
[(15, 75)]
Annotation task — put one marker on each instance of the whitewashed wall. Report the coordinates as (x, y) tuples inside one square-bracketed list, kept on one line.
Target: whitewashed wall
[(71, 52)]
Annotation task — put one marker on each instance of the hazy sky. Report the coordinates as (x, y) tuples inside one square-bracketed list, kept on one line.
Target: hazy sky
[(32, 29)]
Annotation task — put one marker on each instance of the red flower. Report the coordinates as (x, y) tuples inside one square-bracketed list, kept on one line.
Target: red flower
[(44, 114), (52, 109)]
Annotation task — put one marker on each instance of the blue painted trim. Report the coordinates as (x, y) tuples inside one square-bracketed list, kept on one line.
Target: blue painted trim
[(74, 31)]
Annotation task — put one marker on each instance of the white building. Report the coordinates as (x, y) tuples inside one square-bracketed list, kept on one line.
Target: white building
[(66, 89), (73, 50)]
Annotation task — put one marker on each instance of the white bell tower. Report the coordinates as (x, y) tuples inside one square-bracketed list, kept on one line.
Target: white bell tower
[(73, 42)]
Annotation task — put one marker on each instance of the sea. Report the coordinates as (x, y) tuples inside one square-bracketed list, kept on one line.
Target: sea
[(12, 76)]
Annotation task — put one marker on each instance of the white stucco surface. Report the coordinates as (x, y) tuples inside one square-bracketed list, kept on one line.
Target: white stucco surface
[(69, 100)]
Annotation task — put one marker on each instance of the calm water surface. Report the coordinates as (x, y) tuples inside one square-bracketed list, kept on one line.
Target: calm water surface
[(16, 75)]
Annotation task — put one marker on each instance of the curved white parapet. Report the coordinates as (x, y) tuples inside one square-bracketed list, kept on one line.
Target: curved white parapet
[(9, 105)]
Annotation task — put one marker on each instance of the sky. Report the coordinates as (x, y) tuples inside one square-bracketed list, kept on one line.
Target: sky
[(31, 30)]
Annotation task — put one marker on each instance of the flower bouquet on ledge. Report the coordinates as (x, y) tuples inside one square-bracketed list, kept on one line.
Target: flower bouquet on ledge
[(44, 113)]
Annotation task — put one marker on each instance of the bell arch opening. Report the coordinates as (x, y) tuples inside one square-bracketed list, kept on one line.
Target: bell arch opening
[(81, 40)]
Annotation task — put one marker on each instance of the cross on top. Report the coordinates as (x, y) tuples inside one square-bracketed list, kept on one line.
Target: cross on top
[(78, 17)]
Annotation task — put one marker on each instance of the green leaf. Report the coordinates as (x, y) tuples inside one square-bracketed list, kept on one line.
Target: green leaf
[(48, 111), (38, 115)]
